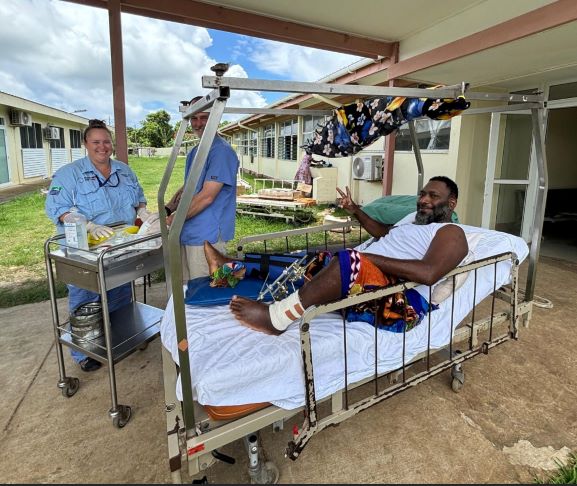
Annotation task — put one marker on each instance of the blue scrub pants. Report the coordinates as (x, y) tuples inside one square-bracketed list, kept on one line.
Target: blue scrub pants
[(117, 298)]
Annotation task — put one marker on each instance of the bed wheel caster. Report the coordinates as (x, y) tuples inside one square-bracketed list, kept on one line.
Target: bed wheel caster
[(121, 417), (69, 386), (202, 480), (143, 346), (268, 473), (457, 378)]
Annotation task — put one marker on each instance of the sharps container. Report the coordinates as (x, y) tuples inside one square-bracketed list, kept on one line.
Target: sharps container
[(86, 322)]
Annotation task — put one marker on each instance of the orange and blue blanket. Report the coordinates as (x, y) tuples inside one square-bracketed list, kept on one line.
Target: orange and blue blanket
[(399, 312)]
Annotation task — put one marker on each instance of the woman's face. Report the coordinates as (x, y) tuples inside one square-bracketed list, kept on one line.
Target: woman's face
[(99, 145)]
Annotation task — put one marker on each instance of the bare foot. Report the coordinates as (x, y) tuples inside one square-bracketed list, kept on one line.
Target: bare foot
[(214, 258), (253, 314)]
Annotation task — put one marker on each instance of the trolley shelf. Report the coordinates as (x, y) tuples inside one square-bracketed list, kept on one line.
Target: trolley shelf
[(131, 326)]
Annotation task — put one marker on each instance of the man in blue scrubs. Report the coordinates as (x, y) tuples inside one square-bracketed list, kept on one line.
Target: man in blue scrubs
[(212, 211), (105, 191)]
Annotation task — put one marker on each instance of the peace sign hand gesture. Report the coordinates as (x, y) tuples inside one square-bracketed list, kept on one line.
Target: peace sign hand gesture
[(346, 201)]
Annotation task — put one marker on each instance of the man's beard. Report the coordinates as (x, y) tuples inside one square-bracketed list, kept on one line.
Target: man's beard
[(440, 214)]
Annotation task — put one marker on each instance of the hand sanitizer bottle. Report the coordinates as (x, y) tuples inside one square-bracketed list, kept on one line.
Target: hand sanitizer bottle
[(75, 231)]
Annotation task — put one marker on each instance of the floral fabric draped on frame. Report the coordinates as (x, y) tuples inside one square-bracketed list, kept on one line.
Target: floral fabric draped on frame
[(357, 125)]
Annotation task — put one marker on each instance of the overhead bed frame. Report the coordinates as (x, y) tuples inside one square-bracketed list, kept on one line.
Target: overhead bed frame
[(192, 438)]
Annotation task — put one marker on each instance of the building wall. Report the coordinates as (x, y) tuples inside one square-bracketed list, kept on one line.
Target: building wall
[(44, 116), (404, 175)]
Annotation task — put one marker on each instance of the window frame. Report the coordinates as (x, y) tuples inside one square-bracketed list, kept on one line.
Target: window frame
[(267, 141), (75, 136), (425, 125), (27, 133), (316, 121), (288, 140)]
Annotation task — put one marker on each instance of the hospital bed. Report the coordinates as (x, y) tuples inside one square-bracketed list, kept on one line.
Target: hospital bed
[(256, 380), (224, 382)]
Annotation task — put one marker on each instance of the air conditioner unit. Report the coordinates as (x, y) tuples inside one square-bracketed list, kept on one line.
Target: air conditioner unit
[(52, 133), (20, 118), (368, 168)]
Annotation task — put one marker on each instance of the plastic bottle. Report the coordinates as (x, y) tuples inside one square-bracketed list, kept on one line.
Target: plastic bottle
[(75, 232)]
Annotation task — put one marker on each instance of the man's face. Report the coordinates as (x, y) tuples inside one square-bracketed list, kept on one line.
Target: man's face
[(434, 205), (198, 122)]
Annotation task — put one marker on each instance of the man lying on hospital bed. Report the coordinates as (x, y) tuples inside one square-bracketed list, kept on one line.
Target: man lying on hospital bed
[(422, 252)]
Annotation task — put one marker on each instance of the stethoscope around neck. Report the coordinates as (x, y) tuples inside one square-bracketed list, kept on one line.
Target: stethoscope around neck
[(109, 181)]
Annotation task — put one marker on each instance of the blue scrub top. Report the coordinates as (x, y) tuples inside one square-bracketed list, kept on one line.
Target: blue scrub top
[(102, 201), (216, 221)]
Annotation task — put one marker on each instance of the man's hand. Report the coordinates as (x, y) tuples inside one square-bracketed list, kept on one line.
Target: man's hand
[(346, 201)]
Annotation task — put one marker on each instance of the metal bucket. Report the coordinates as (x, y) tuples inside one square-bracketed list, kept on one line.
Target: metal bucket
[(86, 322)]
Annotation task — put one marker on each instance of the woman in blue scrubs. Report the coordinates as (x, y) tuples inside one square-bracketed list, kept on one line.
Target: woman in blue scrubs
[(106, 191)]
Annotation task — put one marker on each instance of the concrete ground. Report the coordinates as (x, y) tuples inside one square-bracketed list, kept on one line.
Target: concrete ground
[(515, 414)]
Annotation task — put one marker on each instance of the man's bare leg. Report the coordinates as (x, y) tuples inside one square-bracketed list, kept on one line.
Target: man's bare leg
[(324, 287), (214, 258)]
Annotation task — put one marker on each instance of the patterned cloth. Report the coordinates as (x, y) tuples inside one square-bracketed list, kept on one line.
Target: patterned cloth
[(357, 125), (398, 312), (228, 275), (304, 171)]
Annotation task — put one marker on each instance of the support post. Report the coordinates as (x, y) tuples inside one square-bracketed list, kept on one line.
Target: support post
[(115, 28)]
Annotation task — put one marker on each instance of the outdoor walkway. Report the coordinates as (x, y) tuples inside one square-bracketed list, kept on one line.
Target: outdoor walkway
[(516, 410), (10, 192)]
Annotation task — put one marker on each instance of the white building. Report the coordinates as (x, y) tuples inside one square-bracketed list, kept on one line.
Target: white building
[(35, 140)]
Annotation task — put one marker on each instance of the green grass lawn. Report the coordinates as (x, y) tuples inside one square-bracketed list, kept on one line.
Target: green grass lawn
[(24, 227)]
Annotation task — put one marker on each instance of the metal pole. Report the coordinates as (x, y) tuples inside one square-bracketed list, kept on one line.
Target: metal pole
[(418, 158), (174, 251), (537, 116)]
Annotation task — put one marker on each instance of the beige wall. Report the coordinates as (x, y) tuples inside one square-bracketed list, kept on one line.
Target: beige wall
[(405, 180)]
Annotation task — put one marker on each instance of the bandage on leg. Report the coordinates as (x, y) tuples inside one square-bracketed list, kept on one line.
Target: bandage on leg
[(286, 311)]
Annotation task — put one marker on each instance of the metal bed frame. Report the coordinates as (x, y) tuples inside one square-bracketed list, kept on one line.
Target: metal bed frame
[(192, 439)]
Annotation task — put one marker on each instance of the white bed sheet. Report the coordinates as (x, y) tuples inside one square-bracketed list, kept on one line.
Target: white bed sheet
[(233, 365)]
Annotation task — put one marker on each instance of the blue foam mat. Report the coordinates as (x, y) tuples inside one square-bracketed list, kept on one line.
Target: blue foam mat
[(199, 292)]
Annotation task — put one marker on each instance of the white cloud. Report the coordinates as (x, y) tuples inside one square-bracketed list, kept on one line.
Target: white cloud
[(58, 54), (294, 62)]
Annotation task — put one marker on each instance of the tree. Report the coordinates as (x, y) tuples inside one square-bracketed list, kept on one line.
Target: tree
[(156, 129)]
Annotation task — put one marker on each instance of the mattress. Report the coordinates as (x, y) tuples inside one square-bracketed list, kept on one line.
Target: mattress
[(234, 365)]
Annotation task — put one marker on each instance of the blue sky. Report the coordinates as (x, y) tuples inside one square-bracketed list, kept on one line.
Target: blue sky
[(57, 53)]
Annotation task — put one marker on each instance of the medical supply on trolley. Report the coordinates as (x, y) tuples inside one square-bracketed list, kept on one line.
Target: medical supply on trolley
[(75, 231)]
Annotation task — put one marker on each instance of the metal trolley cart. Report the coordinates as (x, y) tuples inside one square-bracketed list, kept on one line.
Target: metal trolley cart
[(125, 329)]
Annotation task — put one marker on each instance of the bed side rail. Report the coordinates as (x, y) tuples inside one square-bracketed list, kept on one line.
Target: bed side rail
[(328, 236), (467, 333)]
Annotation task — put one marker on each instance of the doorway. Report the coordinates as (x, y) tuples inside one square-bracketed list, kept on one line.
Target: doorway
[(560, 224), (4, 170)]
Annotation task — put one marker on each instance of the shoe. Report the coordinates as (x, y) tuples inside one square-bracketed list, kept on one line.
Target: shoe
[(89, 364)]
